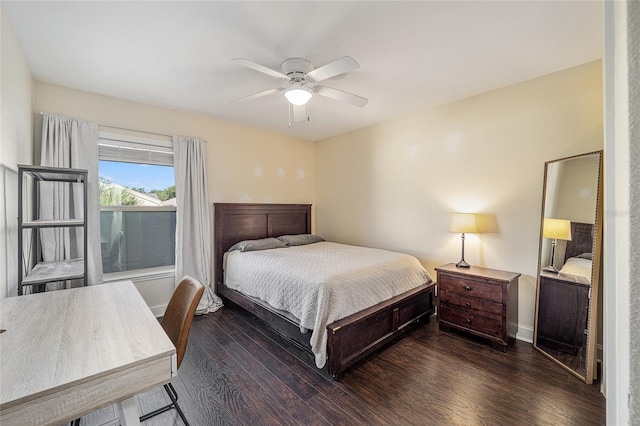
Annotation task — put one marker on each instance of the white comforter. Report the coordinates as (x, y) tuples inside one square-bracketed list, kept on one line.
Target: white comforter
[(578, 266), (323, 282)]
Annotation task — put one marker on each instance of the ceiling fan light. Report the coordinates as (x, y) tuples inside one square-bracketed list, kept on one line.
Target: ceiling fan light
[(298, 96)]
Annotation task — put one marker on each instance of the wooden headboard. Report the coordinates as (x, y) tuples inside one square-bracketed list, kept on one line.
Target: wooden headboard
[(235, 222), (581, 240)]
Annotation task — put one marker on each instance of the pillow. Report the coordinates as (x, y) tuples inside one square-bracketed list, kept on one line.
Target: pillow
[(254, 245), (299, 240), (577, 266), (588, 256)]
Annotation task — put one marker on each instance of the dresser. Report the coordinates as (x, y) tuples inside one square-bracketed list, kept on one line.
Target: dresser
[(480, 301), (563, 321)]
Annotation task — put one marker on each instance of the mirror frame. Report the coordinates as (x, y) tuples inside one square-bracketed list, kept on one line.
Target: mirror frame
[(592, 316)]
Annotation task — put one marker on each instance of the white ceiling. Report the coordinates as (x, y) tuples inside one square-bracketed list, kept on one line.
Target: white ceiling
[(178, 54)]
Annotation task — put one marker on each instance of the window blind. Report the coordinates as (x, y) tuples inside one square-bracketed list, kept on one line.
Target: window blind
[(131, 149)]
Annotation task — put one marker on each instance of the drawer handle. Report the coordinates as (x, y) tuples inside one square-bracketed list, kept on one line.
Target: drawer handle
[(468, 304), (466, 287), (469, 320)]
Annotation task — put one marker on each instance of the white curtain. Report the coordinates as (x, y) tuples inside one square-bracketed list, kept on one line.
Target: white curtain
[(71, 143), (193, 236)]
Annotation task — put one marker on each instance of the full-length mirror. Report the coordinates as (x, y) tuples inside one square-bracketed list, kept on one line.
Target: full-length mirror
[(569, 263)]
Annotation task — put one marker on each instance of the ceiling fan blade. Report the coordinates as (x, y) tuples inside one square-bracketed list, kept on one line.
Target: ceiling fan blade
[(339, 95), (337, 67), (258, 95), (261, 68)]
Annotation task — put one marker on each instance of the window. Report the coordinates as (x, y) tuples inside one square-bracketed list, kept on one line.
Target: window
[(137, 203)]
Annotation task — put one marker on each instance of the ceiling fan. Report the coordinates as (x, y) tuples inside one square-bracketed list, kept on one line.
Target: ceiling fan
[(302, 76)]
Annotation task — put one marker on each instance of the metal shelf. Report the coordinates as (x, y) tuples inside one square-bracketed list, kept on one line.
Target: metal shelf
[(46, 272), (51, 271), (53, 223), (55, 174)]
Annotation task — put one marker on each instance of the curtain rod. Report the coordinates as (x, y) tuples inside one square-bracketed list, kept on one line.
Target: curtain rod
[(129, 129)]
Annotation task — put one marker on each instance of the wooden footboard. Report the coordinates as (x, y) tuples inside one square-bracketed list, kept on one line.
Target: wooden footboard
[(356, 336)]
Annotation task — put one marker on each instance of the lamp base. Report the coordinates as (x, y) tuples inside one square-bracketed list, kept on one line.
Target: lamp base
[(551, 269), (462, 264)]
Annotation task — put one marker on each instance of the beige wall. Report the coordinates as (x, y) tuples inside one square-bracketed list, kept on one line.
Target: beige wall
[(578, 190), (395, 185), (243, 164), (16, 128)]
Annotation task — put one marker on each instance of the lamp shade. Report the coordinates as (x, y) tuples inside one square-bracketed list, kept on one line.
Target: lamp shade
[(559, 229), (463, 223), (298, 95)]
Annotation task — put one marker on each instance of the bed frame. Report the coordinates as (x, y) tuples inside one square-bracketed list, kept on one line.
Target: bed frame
[(349, 339)]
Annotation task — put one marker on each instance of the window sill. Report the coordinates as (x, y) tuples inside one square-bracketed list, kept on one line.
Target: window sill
[(142, 274)]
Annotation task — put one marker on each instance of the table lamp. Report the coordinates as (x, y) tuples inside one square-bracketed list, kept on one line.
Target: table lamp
[(463, 223), (556, 229)]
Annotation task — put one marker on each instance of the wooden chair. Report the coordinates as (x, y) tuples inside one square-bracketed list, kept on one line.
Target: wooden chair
[(176, 322)]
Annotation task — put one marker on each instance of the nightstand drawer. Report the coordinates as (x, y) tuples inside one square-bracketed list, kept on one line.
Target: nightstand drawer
[(487, 324), (466, 302), (470, 287)]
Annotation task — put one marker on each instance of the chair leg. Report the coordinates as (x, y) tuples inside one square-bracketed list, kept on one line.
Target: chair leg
[(156, 412), (173, 395)]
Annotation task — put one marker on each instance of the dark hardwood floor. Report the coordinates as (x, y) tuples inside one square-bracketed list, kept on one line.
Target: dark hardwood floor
[(238, 371)]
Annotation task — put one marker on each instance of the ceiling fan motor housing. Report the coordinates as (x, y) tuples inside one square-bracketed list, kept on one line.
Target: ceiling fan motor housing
[(296, 69)]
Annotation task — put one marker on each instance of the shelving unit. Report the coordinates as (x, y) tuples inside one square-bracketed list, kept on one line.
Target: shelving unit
[(38, 274)]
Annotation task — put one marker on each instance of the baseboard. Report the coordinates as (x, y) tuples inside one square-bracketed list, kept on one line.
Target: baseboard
[(525, 333)]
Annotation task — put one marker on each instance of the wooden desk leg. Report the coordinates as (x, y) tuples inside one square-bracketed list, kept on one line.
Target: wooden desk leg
[(129, 415)]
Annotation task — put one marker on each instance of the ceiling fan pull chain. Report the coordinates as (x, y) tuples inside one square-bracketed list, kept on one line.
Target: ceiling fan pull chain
[(290, 113)]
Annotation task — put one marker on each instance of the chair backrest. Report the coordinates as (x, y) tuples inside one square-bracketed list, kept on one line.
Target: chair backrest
[(180, 311)]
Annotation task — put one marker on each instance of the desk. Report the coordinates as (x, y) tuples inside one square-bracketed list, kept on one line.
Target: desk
[(70, 352)]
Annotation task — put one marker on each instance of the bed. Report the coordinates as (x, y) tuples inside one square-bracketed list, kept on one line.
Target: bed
[(349, 339), (578, 261)]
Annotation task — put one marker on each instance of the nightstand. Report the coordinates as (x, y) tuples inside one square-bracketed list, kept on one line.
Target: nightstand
[(480, 301)]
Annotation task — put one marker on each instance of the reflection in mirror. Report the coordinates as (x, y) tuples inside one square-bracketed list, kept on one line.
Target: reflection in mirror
[(555, 229), (569, 263)]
